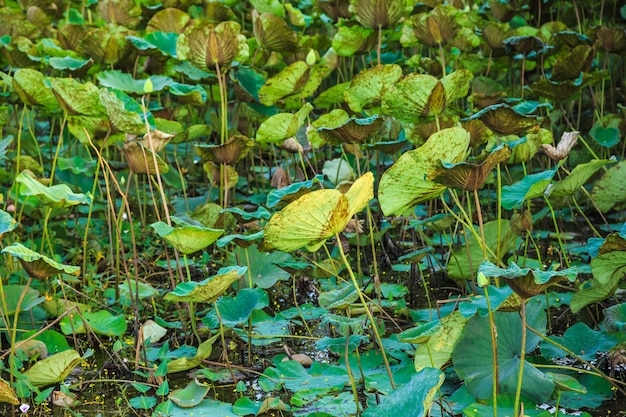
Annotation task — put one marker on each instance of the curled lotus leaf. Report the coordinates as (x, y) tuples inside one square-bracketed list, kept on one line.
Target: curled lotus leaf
[(273, 33), (316, 216), (289, 81), (353, 40), (170, 20), (207, 46), (120, 12), (570, 66), (504, 120), (30, 86), (470, 176), (335, 9), (354, 130), (380, 14), (208, 290), (38, 265), (57, 196), (436, 27), (187, 238), (233, 150)]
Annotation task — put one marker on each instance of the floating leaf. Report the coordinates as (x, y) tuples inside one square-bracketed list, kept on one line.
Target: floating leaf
[(187, 238), (368, 86), (53, 369), (208, 290), (191, 395), (58, 196), (236, 310), (37, 265), (605, 136), (405, 184), (316, 216), (473, 356), (264, 270)]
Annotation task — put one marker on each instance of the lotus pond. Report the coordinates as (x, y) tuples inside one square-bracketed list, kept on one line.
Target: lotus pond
[(312, 208)]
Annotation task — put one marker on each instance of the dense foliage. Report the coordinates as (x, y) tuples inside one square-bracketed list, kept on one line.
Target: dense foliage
[(312, 208)]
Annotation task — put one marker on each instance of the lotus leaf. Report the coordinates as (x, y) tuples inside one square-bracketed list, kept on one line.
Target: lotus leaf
[(245, 406), (191, 395), (186, 363), (59, 195), (437, 351), (209, 290), (31, 87), (169, 20), (369, 86), (264, 267), (53, 369), (353, 40), (292, 192), (405, 184), (236, 310), (125, 114), (265, 329), (282, 126), (188, 238), (532, 186), (99, 322), (504, 120), (577, 178), (11, 294), (273, 33), (581, 340), (291, 80), (7, 222), (316, 216), (380, 14), (615, 318), (37, 265), (472, 357), (7, 394)]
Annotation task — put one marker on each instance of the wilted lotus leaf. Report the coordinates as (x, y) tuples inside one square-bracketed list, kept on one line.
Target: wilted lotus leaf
[(525, 46), (380, 14), (354, 40), (120, 12), (570, 66), (140, 158), (17, 51), (186, 237), (417, 133), (368, 86), (218, 11), (469, 176), (292, 192), (436, 27), (77, 98), (527, 282), (504, 120), (494, 34), (58, 196), (289, 81), (207, 46), (14, 23), (184, 363), (209, 290), (404, 184), (170, 20), (221, 175), (562, 150), (479, 133), (610, 191), (316, 216), (282, 126), (335, 9), (30, 86), (331, 120), (125, 114), (7, 394), (564, 91), (233, 150), (611, 39), (273, 33), (37, 265), (352, 131), (106, 45), (422, 95), (53, 369), (569, 39)]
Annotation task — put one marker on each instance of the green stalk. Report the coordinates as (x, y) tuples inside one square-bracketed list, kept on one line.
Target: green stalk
[(367, 311), (522, 358), (494, 353)]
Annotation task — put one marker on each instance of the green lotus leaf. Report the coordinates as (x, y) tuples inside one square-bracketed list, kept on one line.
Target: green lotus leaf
[(569, 67), (7, 222), (581, 340), (338, 299), (577, 178), (273, 33), (615, 318), (170, 20), (100, 322), (186, 363), (353, 40), (164, 42), (437, 351), (59, 195), (380, 14), (289, 81), (246, 406), (37, 265), (30, 86), (353, 130), (77, 98), (265, 268), (605, 136), (209, 290), (53, 369), (189, 94), (421, 333), (292, 192), (610, 191), (506, 409), (240, 240), (207, 46), (337, 171), (12, 294), (74, 65), (532, 186), (368, 86), (236, 310), (527, 282), (405, 184), (411, 399), (316, 216), (469, 176), (124, 81), (191, 395), (504, 120), (125, 114), (566, 383), (473, 356), (331, 97), (330, 120), (187, 238), (7, 394), (230, 152), (86, 128), (265, 329), (282, 126)]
